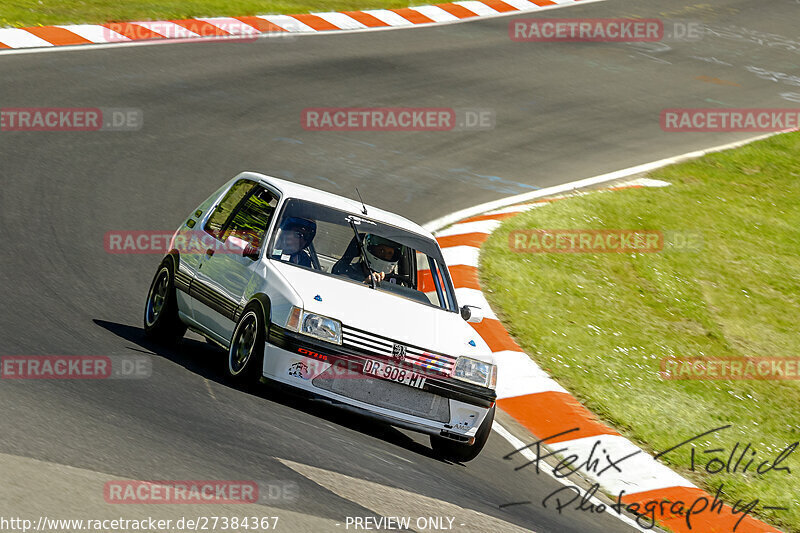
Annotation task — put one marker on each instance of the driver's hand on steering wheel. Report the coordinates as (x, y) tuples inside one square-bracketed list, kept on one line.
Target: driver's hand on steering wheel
[(377, 276)]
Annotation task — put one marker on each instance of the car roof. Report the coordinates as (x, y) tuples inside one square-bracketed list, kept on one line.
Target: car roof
[(291, 189)]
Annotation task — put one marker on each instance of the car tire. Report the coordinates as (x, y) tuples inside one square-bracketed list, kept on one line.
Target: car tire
[(161, 319), (246, 352), (460, 452)]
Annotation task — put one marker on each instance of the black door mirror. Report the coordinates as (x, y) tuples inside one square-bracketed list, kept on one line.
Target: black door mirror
[(472, 313)]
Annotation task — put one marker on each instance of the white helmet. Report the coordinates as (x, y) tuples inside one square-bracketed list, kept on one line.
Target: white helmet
[(381, 253)]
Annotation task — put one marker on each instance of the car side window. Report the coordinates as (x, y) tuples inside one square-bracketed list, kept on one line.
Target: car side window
[(216, 222), (251, 220), (429, 279)]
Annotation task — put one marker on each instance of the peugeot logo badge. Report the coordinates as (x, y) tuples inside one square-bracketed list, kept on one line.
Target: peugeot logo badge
[(399, 352)]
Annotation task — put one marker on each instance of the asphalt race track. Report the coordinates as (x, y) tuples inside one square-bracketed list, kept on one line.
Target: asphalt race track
[(563, 111)]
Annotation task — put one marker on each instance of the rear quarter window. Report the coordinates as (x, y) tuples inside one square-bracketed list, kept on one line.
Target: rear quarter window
[(216, 222)]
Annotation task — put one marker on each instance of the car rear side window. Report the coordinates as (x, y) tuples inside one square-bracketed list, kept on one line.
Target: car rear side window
[(251, 220), (217, 220)]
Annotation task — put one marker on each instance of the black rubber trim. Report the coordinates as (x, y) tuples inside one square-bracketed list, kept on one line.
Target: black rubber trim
[(213, 299), (434, 383), (182, 280)]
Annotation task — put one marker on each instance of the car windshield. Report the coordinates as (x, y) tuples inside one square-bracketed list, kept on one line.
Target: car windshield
[(320, 238)]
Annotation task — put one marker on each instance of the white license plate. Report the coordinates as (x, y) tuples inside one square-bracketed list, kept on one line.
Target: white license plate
[(393, 373)]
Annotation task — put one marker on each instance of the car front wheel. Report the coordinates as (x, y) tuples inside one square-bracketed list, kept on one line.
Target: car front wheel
[(460, 452), (246, 353)]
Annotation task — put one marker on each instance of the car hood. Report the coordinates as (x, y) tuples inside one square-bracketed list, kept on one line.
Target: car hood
[(406, 321)]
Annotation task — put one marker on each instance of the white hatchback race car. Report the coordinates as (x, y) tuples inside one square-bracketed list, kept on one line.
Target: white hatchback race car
[(345, 301)]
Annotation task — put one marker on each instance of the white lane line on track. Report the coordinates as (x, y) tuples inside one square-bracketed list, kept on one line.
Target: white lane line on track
[(486, 11), (547, 469), (442, 222)]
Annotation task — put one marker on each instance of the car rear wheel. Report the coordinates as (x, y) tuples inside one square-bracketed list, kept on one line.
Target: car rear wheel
[(460, 452), (161, 319), (246, 353)]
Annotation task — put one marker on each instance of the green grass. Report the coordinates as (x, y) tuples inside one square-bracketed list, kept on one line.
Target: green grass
[(20, 13), (601, 323)]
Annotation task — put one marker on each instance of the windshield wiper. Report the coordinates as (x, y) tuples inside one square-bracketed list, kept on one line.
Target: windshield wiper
[(372, 281)]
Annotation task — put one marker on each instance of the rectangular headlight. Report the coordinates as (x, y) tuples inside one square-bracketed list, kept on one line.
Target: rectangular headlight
[(317, 326), (475, 371)]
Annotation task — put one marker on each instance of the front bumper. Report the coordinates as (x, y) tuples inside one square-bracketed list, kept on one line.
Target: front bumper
[(441, 406)]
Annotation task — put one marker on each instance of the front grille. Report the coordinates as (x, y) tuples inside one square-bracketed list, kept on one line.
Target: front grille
[(370, 344), (386, 394)]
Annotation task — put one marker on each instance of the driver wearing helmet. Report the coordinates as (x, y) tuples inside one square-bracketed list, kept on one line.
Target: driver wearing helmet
[(295, 237), (382, 255)]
